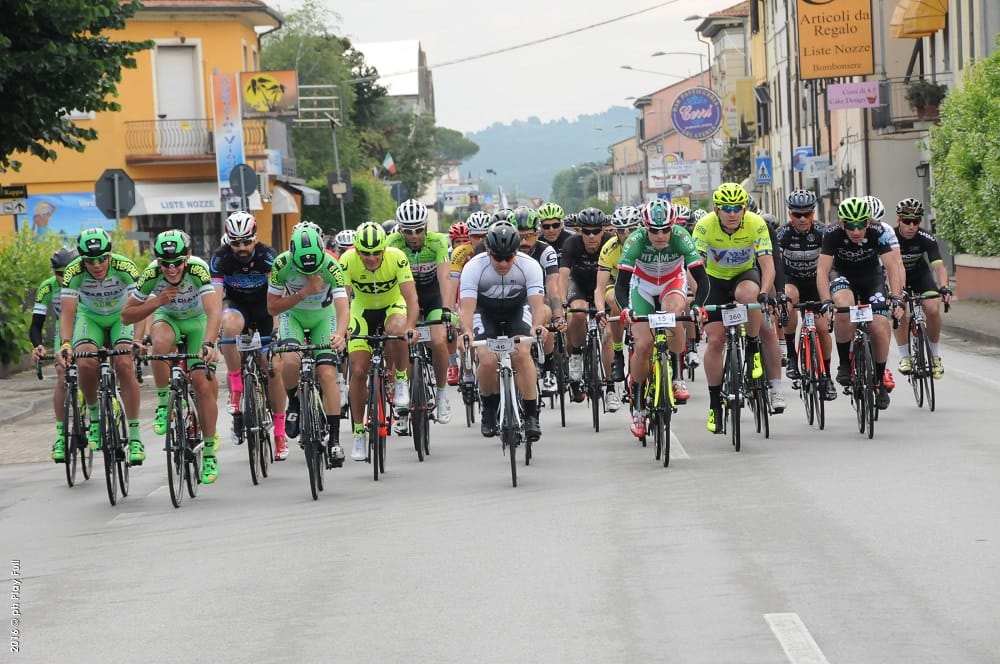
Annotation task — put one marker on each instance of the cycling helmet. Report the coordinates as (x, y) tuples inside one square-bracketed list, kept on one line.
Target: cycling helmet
[(224, 240), (479, 222), (61, 258), (241, 226), (854, 210), (390, 226), (698, 214), (93, 243), (458, 232), (502, 214), (910, 207), (307, 250), (683, 214), (878, 210), (550, 211), (730, 193), (370, 237), (171, 245), (503, 240), (590, 217), (572, 220), (302, 224), (345, 239), (625, 217), (411, 213), (659, 214), (801, 199), (524, 218), (752, 205)]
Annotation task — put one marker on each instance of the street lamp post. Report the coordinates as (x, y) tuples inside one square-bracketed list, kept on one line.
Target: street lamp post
[(700, 56), (650, 71), (597, 177)]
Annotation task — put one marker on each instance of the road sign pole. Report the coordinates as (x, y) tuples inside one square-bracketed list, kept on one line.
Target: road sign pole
[(336, 165)]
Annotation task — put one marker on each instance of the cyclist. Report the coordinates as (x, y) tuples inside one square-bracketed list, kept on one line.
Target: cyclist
[(503, 292), (922, 276), (771, 350), (624, 220), (577, 283), (458, 236), (427, 253), (95, 287), (652, 276), (48, 295), (385, 299), (801, 240), (847, 273), (737, 250), (341, 242), (525, 220), (306, 292), (176, 289), (550, 219), (240, 270)]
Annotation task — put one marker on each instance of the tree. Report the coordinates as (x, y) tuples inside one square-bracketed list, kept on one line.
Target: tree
[(964, 158), (452, 146), (736, 163), (57, 56)]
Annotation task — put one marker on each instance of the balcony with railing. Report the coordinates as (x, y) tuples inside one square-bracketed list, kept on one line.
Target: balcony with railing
[(895, 112), (184, 141)]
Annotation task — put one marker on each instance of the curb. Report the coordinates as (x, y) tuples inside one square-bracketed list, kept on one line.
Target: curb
[(969, 334), (25, 408)]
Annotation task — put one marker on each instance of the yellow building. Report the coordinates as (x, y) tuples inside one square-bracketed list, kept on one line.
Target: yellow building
[(175, 134)]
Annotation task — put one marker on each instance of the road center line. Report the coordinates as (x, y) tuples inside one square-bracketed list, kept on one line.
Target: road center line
[(795, 639), (156, 491), (125, 518), (677, 450)]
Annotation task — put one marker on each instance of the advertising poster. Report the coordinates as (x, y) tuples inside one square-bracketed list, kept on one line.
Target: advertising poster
[(835, 38), (64, 214)]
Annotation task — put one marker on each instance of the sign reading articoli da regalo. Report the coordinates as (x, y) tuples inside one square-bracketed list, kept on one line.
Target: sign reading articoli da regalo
[(835, 38)]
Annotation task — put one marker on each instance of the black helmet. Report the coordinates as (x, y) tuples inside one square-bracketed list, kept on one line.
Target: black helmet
[(60, 259), (502, 239), (501, 215), (590, 218)]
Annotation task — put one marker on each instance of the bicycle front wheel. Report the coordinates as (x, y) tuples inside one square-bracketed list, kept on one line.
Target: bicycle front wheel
[(174, 445), (71, 434), (418, 410), (194, 448), (251, 424), (663, 407), (122, 444), (310, 438), (109, 447)]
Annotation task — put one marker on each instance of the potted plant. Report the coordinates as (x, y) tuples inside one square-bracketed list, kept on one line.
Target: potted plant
[(925, 97)]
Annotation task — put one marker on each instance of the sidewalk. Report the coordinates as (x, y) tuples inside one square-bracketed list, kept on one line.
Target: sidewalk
[(23, 394)]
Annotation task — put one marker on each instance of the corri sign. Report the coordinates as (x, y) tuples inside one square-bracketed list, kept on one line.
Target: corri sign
[(697, 113)]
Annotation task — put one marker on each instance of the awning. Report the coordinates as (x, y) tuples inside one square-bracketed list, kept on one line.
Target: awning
[(309, 195), (913, 19), (181, 198), (282, 202)]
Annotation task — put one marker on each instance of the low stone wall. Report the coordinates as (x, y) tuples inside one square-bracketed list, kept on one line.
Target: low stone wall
[(977, 277)]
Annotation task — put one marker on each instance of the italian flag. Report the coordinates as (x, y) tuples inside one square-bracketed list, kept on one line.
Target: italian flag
[(388, 164)]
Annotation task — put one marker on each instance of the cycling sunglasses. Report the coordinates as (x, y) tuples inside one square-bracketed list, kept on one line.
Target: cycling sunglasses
[(591, 231), (240, 243), (855, 225), (95, 260), (502, 259), (911, 221), (413, 231), (369, 253), (549, 227), (730, 208), (173, 262), (801, 215), (658, 231)]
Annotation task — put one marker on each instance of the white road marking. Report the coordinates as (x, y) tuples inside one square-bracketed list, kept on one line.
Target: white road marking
[(677, 450), (157, 490), (125, 518), (795, 639)]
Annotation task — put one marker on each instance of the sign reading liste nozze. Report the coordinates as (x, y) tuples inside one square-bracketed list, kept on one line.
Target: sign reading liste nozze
[(835, 38)]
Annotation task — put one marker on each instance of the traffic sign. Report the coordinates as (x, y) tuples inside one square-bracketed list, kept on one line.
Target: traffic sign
[(815, 167), (114, 193), (14, 191), (13, 206), (242, 180), (763, 170)]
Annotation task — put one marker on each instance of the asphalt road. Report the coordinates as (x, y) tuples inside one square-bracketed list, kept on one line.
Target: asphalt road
[(812, 546)]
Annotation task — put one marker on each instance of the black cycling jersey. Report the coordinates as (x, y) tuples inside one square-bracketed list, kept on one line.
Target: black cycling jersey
[(914, 250), (560, 240), (800, 251), (243, 282), (582, 265), (856, 261)]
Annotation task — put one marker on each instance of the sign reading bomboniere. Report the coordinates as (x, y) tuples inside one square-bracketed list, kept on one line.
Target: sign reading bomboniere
[(835, 38)]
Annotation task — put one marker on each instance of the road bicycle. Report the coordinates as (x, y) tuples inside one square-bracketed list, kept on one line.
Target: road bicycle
[(75, 424), (593, 380), (113, 423), (862, 382), (183, 443), (509, 413), (813, 372), (255, 419), (921, 375), (560, 368), (657, 393), (468, 387), (378, 409), (734, 386), (422, 383)]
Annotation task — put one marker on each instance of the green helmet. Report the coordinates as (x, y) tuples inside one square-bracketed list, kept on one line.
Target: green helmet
[(550, 211), (854, 210), (524, 218), (307, 252), (93, 242), (171, 245), (370, 237), (730, 193)]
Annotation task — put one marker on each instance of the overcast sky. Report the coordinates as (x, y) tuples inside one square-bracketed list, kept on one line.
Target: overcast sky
[(578, 73)]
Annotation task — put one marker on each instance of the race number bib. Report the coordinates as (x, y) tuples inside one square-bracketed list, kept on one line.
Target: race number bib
[(500, 345), (423, 333), (245, 342), (861, 314), (661, 319), (735, 316)]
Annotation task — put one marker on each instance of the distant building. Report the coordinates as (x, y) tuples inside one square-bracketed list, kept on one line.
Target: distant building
[(403, 71)]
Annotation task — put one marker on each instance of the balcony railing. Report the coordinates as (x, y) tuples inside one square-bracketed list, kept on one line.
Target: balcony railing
[(895, 112), (191, 140)]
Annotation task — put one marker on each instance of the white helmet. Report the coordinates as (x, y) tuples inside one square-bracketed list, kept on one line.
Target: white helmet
[(345, 239), (878, 210), (478, 223), (411, 213), (241, 226), (626, 216)]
